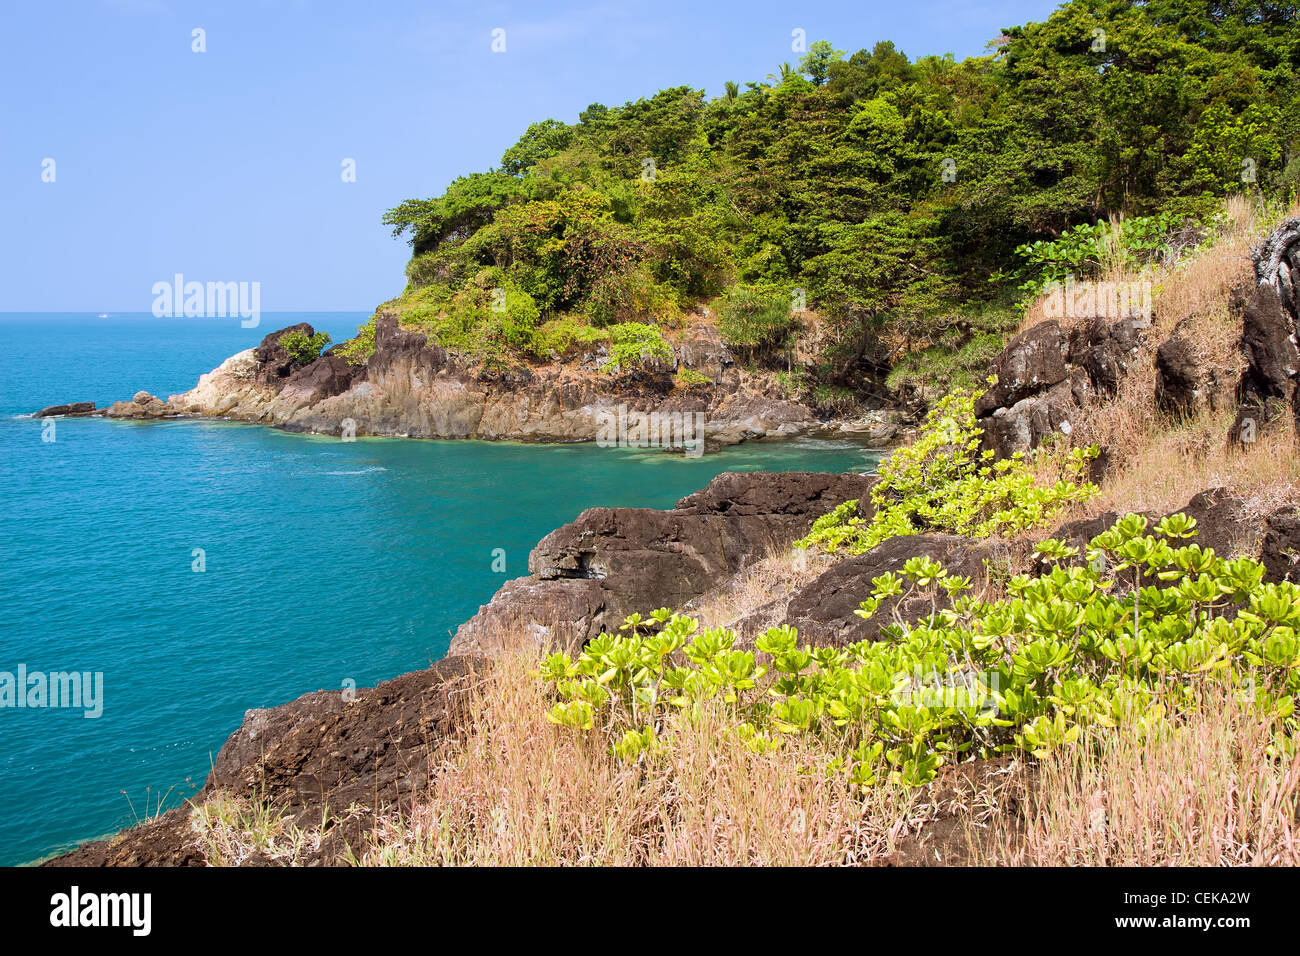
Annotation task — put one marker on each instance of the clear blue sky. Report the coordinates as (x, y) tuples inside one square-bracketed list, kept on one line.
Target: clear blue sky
[(225, 165)]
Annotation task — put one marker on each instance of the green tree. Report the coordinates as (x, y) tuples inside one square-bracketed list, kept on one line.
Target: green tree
[(818, 60)]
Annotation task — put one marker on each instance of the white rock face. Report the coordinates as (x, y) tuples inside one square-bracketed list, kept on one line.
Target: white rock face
[(230, 390)]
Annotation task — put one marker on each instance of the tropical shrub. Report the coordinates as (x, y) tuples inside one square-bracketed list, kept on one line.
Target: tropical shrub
[(1088, 250), (304, 348), (688, 378), (755, 322), (361, 346), (1121, 643), (635, 344), (555, 339), (942, 482)]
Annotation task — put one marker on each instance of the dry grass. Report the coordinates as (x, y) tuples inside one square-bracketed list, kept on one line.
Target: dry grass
[(1180, 459), (1206, 793), (235, 832), (518, 790), (1159, 462), (775, 578)]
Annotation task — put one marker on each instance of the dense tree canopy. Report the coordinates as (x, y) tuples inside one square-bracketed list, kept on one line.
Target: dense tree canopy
[(885, 189)]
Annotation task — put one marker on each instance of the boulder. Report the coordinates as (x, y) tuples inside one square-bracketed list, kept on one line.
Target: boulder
[(321, 757), (142, 405), (1180, 383), (1280, 551), (274, 363), (1033, 361), (1268, 337), (1104, 351), (1046, 377), (1025, 424)]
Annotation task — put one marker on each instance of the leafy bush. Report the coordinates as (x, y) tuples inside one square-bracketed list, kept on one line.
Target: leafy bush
[(304, 348), (1063, 654), (555, 339), (943, 482), (1088, 250), (756, 322), (688, 378), (947, 367), (361, 346), (633, 345)]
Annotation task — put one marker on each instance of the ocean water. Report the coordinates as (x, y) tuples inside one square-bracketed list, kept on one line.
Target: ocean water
[(323, 561)]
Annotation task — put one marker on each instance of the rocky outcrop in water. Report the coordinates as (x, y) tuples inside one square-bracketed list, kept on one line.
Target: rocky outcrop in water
[(327, 756), (323, 757), (412, 387), (71, 410)]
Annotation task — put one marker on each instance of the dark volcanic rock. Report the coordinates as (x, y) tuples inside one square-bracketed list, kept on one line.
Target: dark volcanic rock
[(1254, 419), (1025, 424), (167, 840), (1033, 361), (1047, 377), (71, 410), (1104, 352), (1180, 384), (320, 755), (1280, 553), (324, 378), (1268, 337), (610, 562), (1217, 514), (324, 750), (274, 363)]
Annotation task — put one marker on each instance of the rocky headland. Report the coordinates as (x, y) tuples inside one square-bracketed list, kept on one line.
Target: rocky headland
[(413, 388)]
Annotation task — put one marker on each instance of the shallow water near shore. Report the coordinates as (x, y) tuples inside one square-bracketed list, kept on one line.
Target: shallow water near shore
[(323, 561)]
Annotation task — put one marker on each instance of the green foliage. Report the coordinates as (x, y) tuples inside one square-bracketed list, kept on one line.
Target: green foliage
[(888, 189), (361, 346), (943, 482), (1122, 643), (689, 378), (560, 337), (1089, 250), (946, 366), (755, 322), (304, 348), (819, 60), (540, 141), (634, 345)]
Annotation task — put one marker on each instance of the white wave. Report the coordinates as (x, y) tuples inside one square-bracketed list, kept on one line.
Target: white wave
[(359, 471)]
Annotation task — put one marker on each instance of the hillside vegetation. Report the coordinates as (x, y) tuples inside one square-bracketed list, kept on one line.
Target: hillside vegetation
[(898, 209)]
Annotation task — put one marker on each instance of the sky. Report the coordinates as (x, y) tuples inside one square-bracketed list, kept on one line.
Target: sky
[(227, 165)]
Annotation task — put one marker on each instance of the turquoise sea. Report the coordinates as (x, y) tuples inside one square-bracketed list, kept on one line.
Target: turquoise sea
[(323, 561)]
